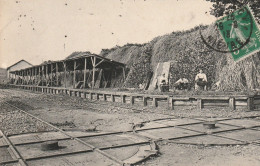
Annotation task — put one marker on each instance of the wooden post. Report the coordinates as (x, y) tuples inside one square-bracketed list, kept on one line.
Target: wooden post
[(145, 101), (123, 98), (250, 103), (85, 73), (113, 98), (51, 73), (155, 103), (46, 75), (232, 103), (199, 103), (74, 74), (170, 102), (65, 74), (31, 75), (56, 73), (132, 100), (105, 97), (124, 73), (23, 77), (93, 72), (35, 75)]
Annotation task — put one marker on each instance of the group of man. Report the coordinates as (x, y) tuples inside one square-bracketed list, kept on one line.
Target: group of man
[(183, 83)]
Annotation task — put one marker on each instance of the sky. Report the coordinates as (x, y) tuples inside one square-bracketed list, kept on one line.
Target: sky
[(41, 30)]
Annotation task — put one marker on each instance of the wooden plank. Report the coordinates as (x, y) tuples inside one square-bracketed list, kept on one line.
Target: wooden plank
[(216, 101), (184, 103), (215, 104), (240, 103), (257, 97), (256, 101), (215, 98)]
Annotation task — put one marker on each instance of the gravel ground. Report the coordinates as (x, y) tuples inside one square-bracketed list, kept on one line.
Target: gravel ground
[(15, 122)]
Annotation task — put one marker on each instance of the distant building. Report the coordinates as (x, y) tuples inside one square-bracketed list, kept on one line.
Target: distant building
[(3, 76), (22, 64)]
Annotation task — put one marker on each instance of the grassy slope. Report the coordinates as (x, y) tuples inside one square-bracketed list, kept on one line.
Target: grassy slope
[(188, 53)]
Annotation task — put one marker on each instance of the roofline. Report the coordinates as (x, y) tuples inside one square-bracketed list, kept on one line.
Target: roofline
[(17, 63), (83, 56)]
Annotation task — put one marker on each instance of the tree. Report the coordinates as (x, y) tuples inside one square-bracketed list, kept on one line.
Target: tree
[(225, 7)]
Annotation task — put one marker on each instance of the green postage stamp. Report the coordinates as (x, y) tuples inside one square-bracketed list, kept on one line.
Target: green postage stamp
[(240, 32)]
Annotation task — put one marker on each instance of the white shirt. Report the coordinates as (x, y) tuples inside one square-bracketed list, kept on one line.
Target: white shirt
[(184, 80), (201, 76)]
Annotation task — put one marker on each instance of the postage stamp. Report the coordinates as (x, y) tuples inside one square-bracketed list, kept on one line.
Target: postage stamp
[(240, 33)]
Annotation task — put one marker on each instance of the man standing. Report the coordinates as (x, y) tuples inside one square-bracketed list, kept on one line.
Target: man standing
[(201, 81)]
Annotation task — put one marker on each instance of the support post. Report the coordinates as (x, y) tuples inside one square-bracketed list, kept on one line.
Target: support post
[(74, 75), (23, 77), (65, 74), (85, 73), (35, 75), (51, 73), (124, 73), (57, 70), (93, 72), (171, 105), (46, 75)]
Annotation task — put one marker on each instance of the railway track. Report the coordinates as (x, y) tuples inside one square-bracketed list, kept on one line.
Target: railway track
[(19, 156), (230, 131)]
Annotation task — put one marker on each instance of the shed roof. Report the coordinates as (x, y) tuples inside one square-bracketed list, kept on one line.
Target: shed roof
[(17, 63), (77, 58)]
